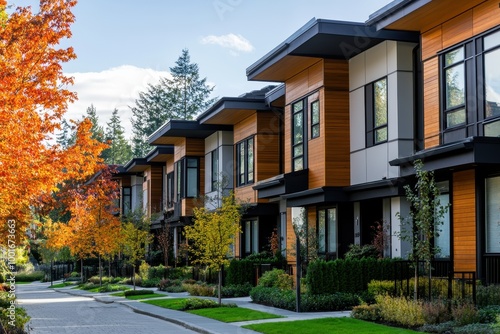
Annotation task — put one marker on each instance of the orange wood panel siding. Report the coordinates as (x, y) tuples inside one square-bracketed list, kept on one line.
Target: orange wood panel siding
[(125, 181), (457, 29), (485, 16), (267, 161), (464, 220), (246, 194), (432, 43), (170, 164), (245, 128), (304, 82), (195, 147), (431, 103), (179, 148)]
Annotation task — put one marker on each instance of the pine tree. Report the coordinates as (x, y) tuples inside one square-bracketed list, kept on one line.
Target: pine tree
[(66, 137), (119, 150), (96, 130), (180, 97)]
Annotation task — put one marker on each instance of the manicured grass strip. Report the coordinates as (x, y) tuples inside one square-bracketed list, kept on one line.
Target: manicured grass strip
[(327, 325), (60, 285), (118, 294), (149, 295), (170, 303), (233, 314)]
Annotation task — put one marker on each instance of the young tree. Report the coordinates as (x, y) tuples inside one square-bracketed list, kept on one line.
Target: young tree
[(135, 238), (119, 150), (213, 233), (422, 225), (165, 242), (180, 97)]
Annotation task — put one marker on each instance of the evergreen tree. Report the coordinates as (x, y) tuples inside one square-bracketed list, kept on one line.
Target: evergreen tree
[(96, 130), (119, 150), (66, 137), (180, 97)]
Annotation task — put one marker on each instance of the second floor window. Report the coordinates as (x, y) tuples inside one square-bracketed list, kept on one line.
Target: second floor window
[(298, 135), (315, 119), (245, 161), (186, 178), (454, 86), (170, 190), (376, 112)]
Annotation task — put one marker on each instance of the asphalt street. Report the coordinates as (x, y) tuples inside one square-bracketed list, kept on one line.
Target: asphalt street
[(55, 312)]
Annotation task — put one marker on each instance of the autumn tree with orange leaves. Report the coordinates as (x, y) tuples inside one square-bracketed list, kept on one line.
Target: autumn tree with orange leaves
[(34, 96)]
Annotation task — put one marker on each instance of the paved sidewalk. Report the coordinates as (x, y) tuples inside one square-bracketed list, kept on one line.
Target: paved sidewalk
[(201, 324)]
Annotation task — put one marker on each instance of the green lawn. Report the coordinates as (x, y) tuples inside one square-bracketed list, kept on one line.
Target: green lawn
[(233, 314), (327, 325), (225, 314), (137, 297), (171, 303), (61, 285), (18, 283)]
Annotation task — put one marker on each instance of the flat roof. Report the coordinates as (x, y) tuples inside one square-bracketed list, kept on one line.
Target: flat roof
[(330, 39), (185, 129)]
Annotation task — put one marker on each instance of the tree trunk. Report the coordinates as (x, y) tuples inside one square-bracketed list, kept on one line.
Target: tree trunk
[(81, 270), (133, 276), (100, 271), (220, 286), (109, 267)]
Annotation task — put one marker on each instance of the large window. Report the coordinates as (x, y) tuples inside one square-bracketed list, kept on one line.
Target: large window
[(245, 161), (376, 112), (187, 173), (126, 200), (492, 228), (327, 231), (214, 155), (454, 86), (470, 83), (298, 135), (442, 240), (170, 190), (251, 236)]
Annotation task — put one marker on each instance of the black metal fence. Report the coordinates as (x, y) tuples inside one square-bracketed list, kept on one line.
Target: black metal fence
[(443, 283)]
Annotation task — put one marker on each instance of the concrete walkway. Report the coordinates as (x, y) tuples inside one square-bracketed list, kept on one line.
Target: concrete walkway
[(197, 323)]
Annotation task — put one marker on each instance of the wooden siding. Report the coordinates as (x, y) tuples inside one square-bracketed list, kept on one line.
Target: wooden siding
[(195, 147), (125, 181), (304, 82), (464, 221), (441, 30), (431, 103), (247, 194), (246, 128)]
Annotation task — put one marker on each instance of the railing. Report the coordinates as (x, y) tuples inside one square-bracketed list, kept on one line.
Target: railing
[(444, 283)]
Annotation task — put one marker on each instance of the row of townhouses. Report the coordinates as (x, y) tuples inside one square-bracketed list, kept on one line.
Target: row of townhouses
[(332, 143)]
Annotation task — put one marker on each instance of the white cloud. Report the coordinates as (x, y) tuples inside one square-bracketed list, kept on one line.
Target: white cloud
[(235, 43), (116, 87)]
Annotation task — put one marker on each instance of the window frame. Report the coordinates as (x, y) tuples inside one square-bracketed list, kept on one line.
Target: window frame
[(315, 125), (124, 196), (326, 242), (214, 175), (245, 163), (170, 189), (372, 127), (251, 234), (295, 144), (182, 179), (448, 110)]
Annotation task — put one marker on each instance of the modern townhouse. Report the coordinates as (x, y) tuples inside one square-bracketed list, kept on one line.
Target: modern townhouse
[(459, 99)]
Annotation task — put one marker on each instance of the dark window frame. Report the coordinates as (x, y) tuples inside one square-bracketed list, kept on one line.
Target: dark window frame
[(182, 180), (245, 167), (295, 144), (327, 250), (129, 196), (315, 125), (370, 114), (170, 189), (214, 175)]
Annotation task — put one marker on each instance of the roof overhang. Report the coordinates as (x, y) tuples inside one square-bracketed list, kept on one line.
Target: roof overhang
[(174, 129), (316, 196), (418, 15), (470, 151), (136, 165), (230, 110), (160, 154), (320, 39), (377, 189)]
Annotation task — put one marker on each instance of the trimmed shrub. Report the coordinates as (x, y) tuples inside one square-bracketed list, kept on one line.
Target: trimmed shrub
[(358, 252), (366, 312), (240, 272), (285, 299), (276, 278), (381, 288), (150, 282), (137, 292), (199, 289), (475, 329), (111, 287), (349, 275), (400, 311), (31, 277), (234, 290), (445, 327)]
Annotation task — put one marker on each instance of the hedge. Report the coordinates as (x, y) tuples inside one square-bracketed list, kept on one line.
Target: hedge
[(352, 276)]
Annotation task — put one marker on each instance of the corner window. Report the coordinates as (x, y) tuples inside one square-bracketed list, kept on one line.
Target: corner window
[(327, 231), (186, 178), (214, 155), (376, 112), (245, 161), (298, 157), (315, 118)]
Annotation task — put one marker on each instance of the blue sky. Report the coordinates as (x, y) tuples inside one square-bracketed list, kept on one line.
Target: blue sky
[(122, 45)]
